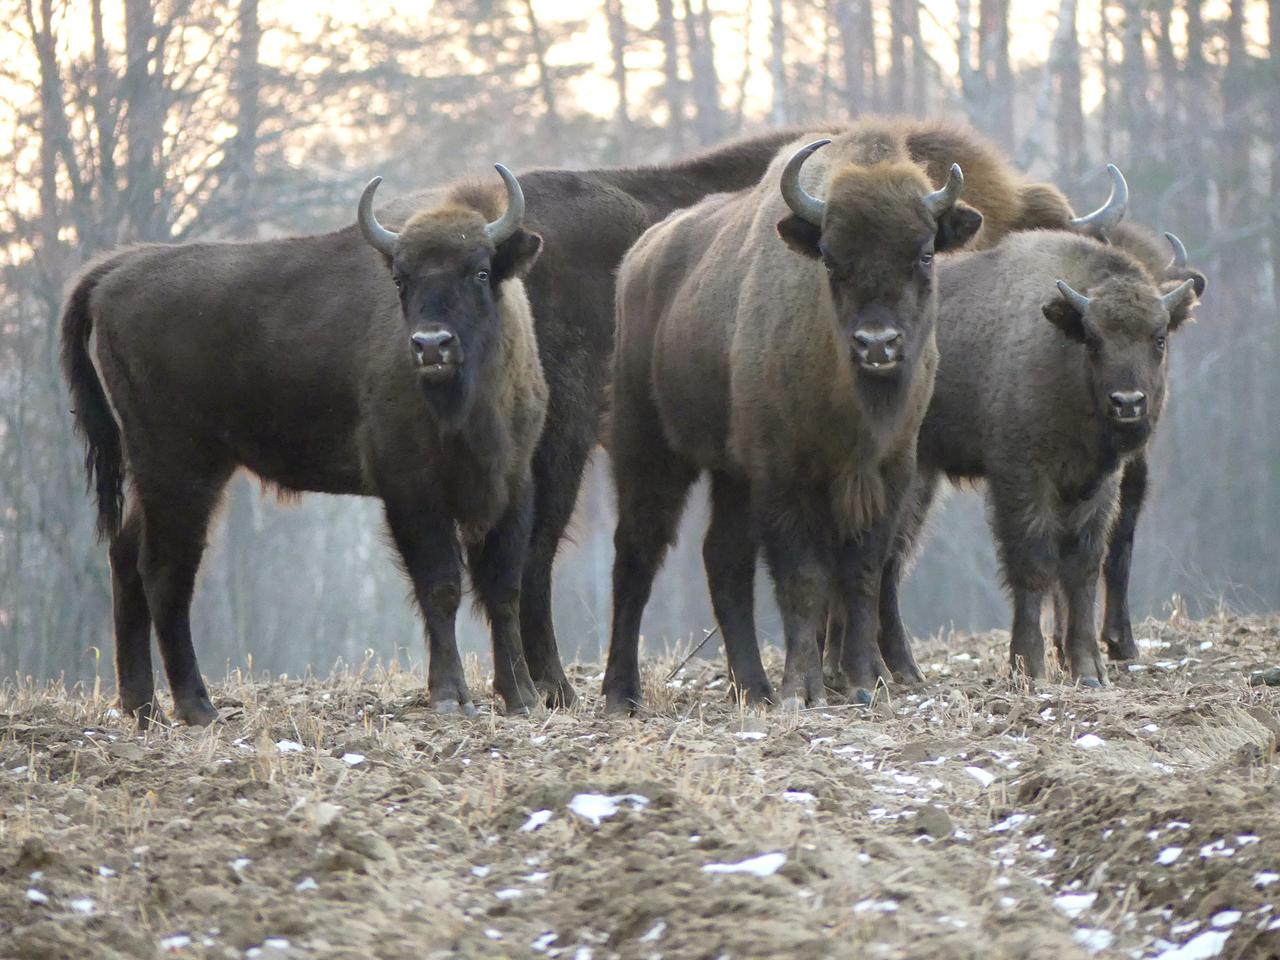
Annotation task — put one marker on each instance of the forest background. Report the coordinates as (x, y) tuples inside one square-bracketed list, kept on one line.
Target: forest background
[(181, 120)]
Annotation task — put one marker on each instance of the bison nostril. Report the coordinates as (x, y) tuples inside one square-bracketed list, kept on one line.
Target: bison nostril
[(1128, 403), (877, 346)]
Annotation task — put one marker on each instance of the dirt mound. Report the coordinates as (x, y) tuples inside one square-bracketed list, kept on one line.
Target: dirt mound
[(970, 817)]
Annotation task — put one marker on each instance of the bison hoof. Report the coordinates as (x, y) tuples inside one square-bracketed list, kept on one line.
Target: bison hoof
[(753, 694), (557, 694), (791, 705), (195, 711), (1120, 645), (451, 706), (522, 701), (623, 699)]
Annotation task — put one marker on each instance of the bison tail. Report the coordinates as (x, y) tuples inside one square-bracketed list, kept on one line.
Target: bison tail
[(104, 456)]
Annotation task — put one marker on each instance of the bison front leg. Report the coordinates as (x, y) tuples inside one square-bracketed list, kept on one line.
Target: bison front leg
[(859, 573), (729, 555), (1029, 559), (801, 560), (424, 535), (496, 564), (1117, 626)]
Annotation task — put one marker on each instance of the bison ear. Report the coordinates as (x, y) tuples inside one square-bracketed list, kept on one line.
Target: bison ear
[(1043, 208), (1196, 277), (1063, 315), (1184, 311), (801, 236), (957, 227), (515, 256)]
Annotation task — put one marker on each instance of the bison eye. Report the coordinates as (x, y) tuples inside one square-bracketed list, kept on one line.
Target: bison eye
[(399, 283), (482, 275), (1160, 342), (926, 258)]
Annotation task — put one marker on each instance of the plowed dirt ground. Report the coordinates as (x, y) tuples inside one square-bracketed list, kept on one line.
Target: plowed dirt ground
[(970, 817)]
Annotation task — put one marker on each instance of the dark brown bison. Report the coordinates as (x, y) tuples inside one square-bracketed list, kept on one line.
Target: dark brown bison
[(1052, 377), (410, 373), (796, 372)]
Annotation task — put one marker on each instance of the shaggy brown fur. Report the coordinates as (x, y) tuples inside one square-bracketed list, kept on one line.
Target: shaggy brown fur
[(323, 397), (1025, 406), (737, 356)]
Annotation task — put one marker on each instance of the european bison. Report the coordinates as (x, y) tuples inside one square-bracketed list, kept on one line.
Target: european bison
[(404, 368), (1117, 629), (1046, 394), (796, 372)]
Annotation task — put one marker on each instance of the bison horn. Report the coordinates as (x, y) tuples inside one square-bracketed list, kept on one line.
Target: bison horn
[(1073, 297), (940, 201), (1179, 261), (1111, 212), (378, 236), (502, 229), (1174, 298), (803, 204)]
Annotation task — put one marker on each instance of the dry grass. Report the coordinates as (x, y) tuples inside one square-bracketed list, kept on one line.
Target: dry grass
[(340, 817)]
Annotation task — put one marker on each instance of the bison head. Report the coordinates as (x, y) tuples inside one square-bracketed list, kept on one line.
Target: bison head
[(448, 265), (1123, 325), (877, 233)]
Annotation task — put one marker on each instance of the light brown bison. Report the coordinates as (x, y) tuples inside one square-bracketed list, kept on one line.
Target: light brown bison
[(424, 390), (796, 372), (1052, 378)]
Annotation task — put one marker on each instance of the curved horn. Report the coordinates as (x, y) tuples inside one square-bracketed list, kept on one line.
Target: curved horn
[(940, 201), (506, 225), (378, 236), (1111, 212), (1179, 261), (1073, 297), (1174, 298), (802, 204)]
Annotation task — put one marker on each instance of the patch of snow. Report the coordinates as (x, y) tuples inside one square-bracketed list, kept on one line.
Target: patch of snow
[(1246, 839), (353, 759), (536, 877), (305, 884), (1202, 947), (1218, 848), (288, 746), (1149, 728), (481, 871), (1074, 904), (536, 819), (175, 943), (984, 778), (1265, 878), (510, 893), (875, 906), (1009, 822), (764, 865), (105, 871), (82, 905), (656, 931), (750, 734), (35, 896), (239, 864), (1168, 855), (595, 807), (1093, 939), (798, 796), (1226, 918), (1090, 741), (544, 941), (493, 934)]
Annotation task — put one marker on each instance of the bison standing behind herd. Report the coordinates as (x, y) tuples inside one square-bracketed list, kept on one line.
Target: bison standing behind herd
[(829, 322)]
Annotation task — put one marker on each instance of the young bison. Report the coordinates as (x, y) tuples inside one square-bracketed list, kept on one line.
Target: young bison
[(430, 396), (797, 377), (1047, 394)]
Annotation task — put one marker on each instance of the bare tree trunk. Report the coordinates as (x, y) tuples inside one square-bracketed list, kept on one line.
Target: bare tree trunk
[(1106, 69), (143, 122), (1197, 98), (1273, 109), (673, 90), (897, 56), (1161, 14), (964, 57), (551, 119), (744, 78), (618, 43), (702, 66), (244, 146), (853, 47), (778, 64), (919, 57), (104, 119), (993, 64), (1137, 116), (1070, 118)]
